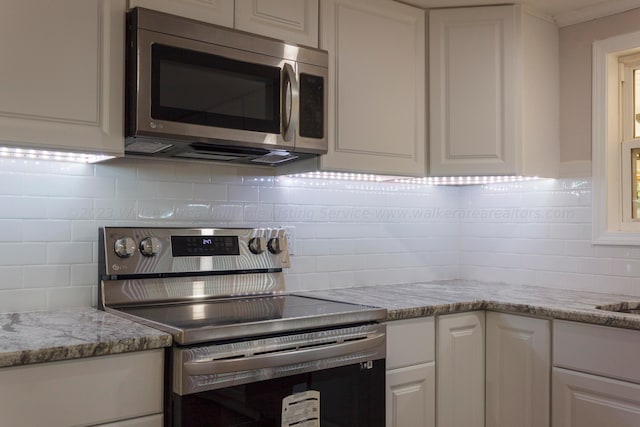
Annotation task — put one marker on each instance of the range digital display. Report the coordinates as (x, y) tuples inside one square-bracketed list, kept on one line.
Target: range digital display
[(204, 245)]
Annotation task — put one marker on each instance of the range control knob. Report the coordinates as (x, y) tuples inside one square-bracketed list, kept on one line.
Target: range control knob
[(277, 244), (124, 247), (150, 246), (257, 245)]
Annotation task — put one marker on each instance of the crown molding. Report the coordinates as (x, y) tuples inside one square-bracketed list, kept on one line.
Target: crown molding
[(595, 11)]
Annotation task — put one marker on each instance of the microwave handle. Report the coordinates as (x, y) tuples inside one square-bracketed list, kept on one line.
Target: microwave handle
[(290, 97)]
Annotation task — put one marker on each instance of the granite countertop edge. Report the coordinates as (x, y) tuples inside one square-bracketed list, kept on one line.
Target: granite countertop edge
[(52, 336), (49, 336), (424, 299)]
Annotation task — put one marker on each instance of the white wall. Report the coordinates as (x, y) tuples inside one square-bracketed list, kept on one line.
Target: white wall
[(348, 233), (576, 43)]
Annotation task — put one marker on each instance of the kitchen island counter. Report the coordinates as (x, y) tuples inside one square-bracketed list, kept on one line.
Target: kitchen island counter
[(451, 296), (47, 336)]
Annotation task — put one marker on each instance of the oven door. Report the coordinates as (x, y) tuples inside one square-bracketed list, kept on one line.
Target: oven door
[(333, 378), (191, 90)]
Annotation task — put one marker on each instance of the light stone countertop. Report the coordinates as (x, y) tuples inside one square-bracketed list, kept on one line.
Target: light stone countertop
[(451, 296), (48, 336)]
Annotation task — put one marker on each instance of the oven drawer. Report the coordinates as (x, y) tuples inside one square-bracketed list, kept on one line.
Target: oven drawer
[(216, 366)]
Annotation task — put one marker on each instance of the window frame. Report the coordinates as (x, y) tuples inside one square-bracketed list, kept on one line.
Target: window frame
[(611, 153)]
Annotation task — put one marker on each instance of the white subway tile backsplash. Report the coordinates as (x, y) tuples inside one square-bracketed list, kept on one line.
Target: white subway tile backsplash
[(70, 253), (45, 231), (258, 214), (129, 189), (11, 230), (15, 207), (175, 190), (79, 296), (24, 253), (11, 278), (84, 274), (210, 192), (243, 193), (110, 210), (23, 300), (347, 233), (45, 276), (68, 208)]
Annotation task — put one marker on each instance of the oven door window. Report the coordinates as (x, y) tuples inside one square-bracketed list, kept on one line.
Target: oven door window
[(205, 89), (350, 396)]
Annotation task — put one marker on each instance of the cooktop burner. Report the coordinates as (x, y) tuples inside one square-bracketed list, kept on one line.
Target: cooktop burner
[(234, 318)]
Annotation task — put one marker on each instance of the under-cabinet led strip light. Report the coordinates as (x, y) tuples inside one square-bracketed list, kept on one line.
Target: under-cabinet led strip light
[(60, 156), (444, 180)]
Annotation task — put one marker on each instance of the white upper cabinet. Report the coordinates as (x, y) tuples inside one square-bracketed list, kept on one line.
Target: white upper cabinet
[(219, 12), (494, 92), (62, 75), (295, 21), (376, 86)]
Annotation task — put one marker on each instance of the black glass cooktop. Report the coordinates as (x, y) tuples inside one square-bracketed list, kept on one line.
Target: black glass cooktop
[(241, 317)]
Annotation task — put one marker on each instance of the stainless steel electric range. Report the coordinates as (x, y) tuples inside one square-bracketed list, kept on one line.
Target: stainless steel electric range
[(245, 353)]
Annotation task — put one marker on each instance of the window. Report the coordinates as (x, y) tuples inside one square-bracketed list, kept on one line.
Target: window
[(616, 140)]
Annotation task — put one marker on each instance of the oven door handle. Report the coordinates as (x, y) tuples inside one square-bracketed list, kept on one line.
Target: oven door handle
[(273, 360)]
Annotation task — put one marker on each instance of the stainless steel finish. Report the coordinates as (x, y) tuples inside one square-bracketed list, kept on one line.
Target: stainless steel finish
[(149, 136), (164, 262), (150, 246), (180, 289), (290, 101), (217, 366), (124, 247)]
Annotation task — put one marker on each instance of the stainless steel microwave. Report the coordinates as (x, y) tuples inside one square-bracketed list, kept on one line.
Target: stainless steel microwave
[(200, 91)]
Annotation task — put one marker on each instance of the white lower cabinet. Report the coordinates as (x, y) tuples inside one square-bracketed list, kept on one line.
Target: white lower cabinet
[(518, 371), (410, 379), (596, 376), (124, 390), (460, 369), (583, 400)]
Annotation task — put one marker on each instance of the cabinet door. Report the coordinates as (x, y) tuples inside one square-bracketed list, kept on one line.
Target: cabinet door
[(83, 392), (460, 370), (473, 106), (219, 12), (294, 21), (62, 74), (376, 86), (518, 371), (411, 396), (583, 400)]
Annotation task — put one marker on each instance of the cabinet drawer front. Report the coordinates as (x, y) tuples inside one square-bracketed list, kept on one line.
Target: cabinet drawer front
[(583, 400), (83, 391), (601, 350), (410, 342)]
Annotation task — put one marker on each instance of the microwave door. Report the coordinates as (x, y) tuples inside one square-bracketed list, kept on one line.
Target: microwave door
[(205, 92)]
